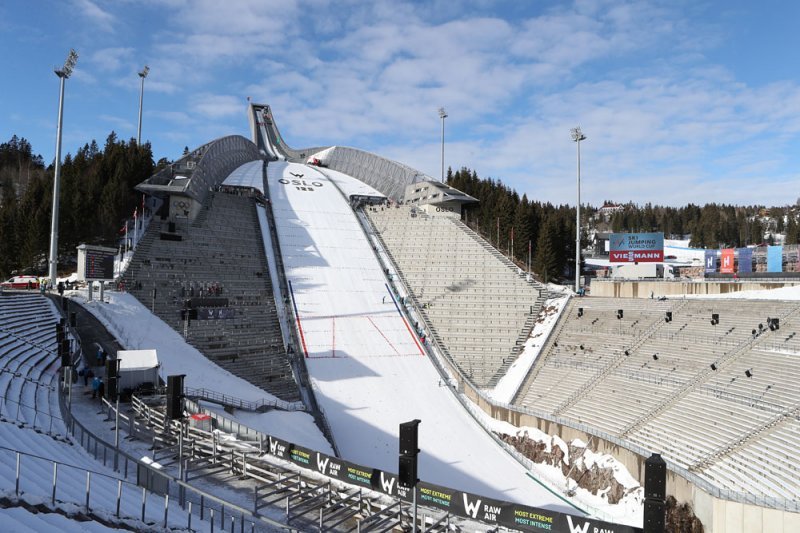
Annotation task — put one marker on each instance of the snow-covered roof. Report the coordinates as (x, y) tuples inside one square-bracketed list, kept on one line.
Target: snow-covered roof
[(137, 359)]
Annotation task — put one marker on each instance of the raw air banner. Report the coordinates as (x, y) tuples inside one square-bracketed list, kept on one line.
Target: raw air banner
[(726, 261), (711, 261), (745, 260), (636, 248), (774, 258), (463, 504)]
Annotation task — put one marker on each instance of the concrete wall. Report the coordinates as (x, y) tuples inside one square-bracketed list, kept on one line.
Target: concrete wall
[(717, 515), (643, 288)]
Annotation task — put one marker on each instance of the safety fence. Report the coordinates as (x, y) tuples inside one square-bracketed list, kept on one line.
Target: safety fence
[(240, 457)]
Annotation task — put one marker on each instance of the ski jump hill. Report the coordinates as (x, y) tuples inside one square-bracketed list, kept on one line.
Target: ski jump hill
[(353, 285)]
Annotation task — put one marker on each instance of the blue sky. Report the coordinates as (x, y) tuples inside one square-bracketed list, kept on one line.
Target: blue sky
[(681, 101)]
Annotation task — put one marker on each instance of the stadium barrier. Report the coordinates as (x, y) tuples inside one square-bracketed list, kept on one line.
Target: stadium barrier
[(458, 503)]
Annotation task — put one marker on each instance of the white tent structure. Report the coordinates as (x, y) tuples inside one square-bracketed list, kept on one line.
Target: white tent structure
[(137, 368)]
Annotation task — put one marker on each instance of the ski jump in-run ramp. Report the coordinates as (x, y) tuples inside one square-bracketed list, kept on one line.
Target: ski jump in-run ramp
[(366, 363)]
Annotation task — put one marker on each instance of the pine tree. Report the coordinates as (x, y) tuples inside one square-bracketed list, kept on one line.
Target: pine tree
[(546, 262)]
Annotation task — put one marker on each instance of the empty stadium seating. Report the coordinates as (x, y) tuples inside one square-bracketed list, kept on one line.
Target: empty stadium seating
[(477, 304), (712, 398), (29, 363), (220, 254)]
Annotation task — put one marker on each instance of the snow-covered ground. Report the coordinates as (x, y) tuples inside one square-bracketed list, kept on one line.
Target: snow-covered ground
[(137, 329), (366, 364), (509, 384)]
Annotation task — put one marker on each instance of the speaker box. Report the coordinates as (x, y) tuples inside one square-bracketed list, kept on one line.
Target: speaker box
[(175, 396), (408, 470), (111, 368), (408, 438), (655, 477)]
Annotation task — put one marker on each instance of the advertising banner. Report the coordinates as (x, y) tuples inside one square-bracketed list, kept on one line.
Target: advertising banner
[(726, 261), (774, 258), (636, 248), (216, 313), (745, 259), (459, 503), (711, 261)]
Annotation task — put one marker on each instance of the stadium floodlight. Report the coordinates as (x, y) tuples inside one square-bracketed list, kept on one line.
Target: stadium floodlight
[(69, 65), (63, 73), (142, 74), (442, 115), (578, 136)]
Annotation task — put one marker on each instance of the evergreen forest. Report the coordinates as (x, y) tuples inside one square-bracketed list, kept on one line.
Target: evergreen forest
[(97, 196)]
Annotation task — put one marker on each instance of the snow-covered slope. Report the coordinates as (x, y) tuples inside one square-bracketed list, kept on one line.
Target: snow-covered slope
[(365, 362)]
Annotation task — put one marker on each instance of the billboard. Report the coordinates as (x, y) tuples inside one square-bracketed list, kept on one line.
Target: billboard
[(711, 261), (95, 263), (745, 259), (774, 258), (636, 248), (460, 503), (726, 261)]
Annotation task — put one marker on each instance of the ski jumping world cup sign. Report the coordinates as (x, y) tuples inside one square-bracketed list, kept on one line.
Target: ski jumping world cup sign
[(636, 248)]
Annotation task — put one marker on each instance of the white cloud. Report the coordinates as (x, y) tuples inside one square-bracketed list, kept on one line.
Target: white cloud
[(100, 19), (216, 106), (112, 59)]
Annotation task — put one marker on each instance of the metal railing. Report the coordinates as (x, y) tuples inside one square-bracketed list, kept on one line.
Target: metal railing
[(226, 400)]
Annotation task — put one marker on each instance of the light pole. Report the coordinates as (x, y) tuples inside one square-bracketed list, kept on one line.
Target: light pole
[(578, 136), (143, 74), (442, 115), (63, 73)]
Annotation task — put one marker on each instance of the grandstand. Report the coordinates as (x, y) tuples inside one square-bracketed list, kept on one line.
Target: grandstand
[(458, 282), (217, 260), (46, 479), (717, 400)]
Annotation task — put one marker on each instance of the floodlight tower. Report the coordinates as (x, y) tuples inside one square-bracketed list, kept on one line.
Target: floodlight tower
[(442, 115), (578, 136), (63, 73), (142, 74)]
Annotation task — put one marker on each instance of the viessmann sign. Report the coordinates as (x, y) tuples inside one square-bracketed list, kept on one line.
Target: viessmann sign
[(636, 248)]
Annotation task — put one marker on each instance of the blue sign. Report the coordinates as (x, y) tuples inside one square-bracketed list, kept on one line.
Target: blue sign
[(711, 261), (745, 259), (636, 247), (774, 258)]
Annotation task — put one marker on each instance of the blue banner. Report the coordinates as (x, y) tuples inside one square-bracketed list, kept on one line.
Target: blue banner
[(636, 247), (774, 258), (745, 259), (711, 261)]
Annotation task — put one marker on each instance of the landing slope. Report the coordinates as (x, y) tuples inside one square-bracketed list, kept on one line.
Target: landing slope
[(365, 362)]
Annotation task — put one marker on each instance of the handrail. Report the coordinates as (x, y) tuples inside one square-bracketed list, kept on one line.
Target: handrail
[(247, 405)]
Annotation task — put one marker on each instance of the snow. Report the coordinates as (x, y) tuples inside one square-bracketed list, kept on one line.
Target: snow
[(135, 327), (36, 430), (365, 363), (137, 359), (628, 511), (509, 384)]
